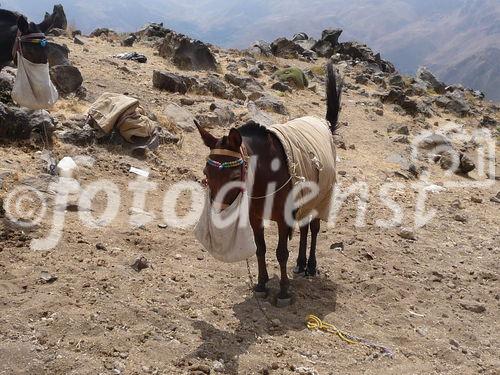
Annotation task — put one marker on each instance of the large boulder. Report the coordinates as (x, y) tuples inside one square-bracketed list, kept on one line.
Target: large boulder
[(170, 82), (153, 30), (218, 116), (78, 136), (217, 87), (129, 41), (325, 47), (362, 52), (7, 78), (261, 47), (102, 31), (180, 117), (283, 47), (19, 123), (57, 54), (187, 53), (300, 36), (247, 83), (457, 103), (331, 35), (271, 104), (425, 77), (410, 106), (66, 78), (293, 76), (56, 20)]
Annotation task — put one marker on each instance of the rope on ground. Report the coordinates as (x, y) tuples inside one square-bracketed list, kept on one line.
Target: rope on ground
[(256, 299), (314, 323)]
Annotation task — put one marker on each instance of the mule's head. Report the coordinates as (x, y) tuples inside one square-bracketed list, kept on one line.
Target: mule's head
[(31, 42), (225, 166)]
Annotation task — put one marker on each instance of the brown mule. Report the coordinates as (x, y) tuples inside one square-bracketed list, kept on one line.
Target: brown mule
[(270, 167)]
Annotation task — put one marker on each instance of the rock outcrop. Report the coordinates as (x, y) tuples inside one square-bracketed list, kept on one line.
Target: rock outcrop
[(187, 53)]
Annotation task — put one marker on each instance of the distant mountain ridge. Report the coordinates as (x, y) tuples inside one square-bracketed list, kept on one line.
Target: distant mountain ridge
[(458, 39)]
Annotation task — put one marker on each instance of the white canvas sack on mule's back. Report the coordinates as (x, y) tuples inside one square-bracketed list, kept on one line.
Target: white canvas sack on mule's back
[(33, 88), (233, 241)]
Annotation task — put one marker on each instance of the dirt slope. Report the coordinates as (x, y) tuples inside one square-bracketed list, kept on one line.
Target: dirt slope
[(433, 300)]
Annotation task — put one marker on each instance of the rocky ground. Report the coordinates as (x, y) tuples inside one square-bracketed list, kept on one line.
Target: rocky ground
[(430, 294)]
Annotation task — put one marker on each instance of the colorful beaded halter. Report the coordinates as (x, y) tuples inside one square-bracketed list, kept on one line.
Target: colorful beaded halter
[(227, 164)]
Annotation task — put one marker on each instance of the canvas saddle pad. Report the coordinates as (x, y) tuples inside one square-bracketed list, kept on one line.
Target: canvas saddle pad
[(310, 153)]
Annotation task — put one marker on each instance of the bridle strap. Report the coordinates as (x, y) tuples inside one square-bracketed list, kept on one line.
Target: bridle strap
[(223, 152), (24, 39), (27, 37)]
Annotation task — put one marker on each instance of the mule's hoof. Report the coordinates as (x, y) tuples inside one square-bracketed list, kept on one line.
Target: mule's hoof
[(299, 271), (311, 273), (283, 302), (260, 293)]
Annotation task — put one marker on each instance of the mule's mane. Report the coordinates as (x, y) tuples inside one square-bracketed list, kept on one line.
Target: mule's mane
[(252, 128)]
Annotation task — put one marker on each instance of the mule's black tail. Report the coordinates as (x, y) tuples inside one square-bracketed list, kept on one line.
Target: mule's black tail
[(333, 95)]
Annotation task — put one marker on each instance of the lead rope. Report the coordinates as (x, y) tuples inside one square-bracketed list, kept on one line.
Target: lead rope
[(314, 323), (256, 299)]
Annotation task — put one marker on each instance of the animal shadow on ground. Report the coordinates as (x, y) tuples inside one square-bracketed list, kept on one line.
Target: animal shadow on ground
[(311, 296)]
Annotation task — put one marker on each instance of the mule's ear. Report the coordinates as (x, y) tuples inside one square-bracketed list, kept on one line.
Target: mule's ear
[(209, 140), (22, 25), (234, 139)]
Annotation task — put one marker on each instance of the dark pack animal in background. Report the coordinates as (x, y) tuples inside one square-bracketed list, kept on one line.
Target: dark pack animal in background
[(260, 142), (31, 43)]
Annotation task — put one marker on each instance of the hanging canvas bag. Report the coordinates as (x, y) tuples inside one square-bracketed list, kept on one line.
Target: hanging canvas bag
[(227, 234), (33, 88)]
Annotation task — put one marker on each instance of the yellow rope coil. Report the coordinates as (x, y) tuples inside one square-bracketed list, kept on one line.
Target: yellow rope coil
[(314, 323)]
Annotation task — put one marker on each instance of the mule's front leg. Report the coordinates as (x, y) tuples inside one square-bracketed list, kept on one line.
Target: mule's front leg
[(258, 231), (284, 298)]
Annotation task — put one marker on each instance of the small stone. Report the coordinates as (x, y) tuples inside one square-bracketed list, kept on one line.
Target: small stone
[(454, 343), (401, 139), (140, 264), (100, 246), (47, 277), (421, 331), (275, 366), (476, 199), (201, 368), (276, 322), (187, 101), (461, 218), (177, 256), (398, 129), (78, 41), (475, 308), (200, 257), (162, 226), (437, 277), (218, 366), (496, 198), (407, 234)]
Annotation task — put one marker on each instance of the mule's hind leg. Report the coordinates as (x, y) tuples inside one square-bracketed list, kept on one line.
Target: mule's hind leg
[(258, 231), (311, 263), (282, 256), (302, 257)]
